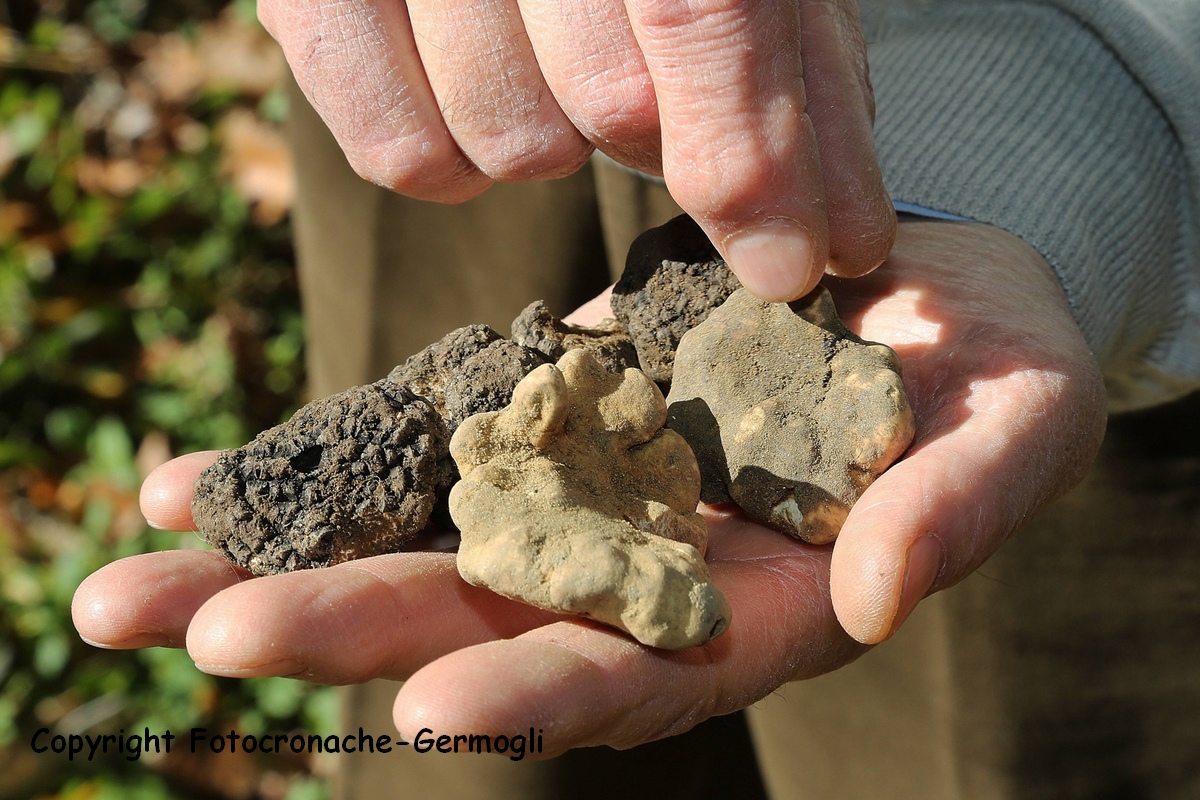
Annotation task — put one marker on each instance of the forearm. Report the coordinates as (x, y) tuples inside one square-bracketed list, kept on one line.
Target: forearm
[(1021, 116)]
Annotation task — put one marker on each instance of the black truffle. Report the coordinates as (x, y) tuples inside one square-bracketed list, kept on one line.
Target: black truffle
[(538, 328), (349, 476), (485, 381), (673, 279), (466, 372)]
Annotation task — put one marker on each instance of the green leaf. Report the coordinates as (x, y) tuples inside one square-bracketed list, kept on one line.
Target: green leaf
[(149, 203), (14, 453), (279, 697), (323, 710), (97, 518), (14, 94), (50, 654), (46, 33), (26, 131), (307, 789), (110, 452), (67, 427), (116, 21), (92, 220), (274, 106)]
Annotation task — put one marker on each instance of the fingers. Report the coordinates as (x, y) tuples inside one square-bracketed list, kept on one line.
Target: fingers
[(357, 62), (490, 91), (841, 104), (739, 150), (149, 600), (166, 495), (592, 64), (583, 684), (378, 617), (752, 110), (435, 100)]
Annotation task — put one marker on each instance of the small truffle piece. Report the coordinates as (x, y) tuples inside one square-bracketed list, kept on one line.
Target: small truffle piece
[(348, 476), (673, 279), (575, 499), (485, 381), (468, 371), (536, 327), (790, 414)]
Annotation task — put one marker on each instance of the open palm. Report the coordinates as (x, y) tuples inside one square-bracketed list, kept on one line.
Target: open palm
[(1009, 409)]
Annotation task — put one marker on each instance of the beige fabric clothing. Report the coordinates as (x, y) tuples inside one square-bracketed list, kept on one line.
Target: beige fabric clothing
[(1068, 667)]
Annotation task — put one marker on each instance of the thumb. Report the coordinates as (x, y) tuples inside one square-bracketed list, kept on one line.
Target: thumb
[(1020, 440)]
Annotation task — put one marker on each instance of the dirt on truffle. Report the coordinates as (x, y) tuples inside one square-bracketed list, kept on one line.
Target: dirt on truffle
[(468, 371), (673, 280), (538, 328), (789, 414), (349, 476)]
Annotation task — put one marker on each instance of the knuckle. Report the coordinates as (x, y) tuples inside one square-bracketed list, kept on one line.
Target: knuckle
[(671, 16), (416, 168), (539, 161), (615, 109), (265, 11), (527, 153), (524, 136)]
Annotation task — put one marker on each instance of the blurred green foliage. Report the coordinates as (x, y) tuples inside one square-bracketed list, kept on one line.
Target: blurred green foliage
[(148, 307)]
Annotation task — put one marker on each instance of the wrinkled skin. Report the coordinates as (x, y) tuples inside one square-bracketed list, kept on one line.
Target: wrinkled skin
[(757, 112), (1009, 411)]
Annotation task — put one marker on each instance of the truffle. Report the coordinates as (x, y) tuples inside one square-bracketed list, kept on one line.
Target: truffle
[(467, 371), (575, 499), (349, 476), (673, 279), (536, 327), (790, 414)]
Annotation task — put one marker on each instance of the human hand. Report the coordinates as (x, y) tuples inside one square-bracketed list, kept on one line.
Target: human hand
[(758, 114), (1009, 413)]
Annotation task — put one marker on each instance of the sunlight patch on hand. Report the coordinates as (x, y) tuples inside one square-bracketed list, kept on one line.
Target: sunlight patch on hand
[(896, 320)]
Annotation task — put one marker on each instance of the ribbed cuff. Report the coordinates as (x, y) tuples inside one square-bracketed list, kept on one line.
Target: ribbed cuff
[(1015, 115)]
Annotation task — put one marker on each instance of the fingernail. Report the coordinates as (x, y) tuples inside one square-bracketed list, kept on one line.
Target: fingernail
[(774, 261), (924, 564), (283, 668)]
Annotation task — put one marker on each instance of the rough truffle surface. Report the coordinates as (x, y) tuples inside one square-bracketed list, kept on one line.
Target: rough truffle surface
[(348, 476), (790, 414), (673, 279), (468, 371), (536, 327), (574, 499)]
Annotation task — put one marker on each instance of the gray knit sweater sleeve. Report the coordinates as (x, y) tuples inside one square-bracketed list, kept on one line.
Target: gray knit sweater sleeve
[(1074, 124)]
